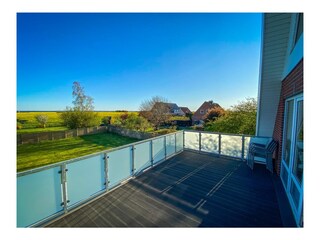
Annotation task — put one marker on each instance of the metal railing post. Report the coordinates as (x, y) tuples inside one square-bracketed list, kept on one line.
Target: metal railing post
[(151, 147), (183, 140), (175, 142), (219, 144), (242, 150), (64, 187), (165, 148), (199, 141), (132, 156), (107, 171)]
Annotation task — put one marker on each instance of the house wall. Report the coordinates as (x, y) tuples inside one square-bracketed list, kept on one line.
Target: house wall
[(276, 30), (291, 86)]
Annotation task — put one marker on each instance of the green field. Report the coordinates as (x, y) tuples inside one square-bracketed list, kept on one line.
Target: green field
[(55, 123), (47, 152)]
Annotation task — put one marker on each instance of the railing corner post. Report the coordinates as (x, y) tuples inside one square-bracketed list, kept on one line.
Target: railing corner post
[(151, 148), (219, 144), (199, 142), (242, 150), (165, 147)]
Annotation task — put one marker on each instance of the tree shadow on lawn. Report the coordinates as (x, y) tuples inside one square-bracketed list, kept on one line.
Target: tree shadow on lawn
[(47, 152)]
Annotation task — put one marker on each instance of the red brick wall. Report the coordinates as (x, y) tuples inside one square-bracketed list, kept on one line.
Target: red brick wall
[(291, 85)]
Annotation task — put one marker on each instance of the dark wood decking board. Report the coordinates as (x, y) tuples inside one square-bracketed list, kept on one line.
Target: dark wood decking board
[(189, 190)]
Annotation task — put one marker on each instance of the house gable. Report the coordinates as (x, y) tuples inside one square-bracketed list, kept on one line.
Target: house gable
[(203, 110)]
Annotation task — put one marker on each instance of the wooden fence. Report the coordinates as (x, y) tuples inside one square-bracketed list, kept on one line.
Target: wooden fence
[(38, 137)]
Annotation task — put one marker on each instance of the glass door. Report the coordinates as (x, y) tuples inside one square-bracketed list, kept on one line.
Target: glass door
[(292, 155)]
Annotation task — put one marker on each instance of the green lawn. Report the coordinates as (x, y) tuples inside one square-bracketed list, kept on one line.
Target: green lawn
[(47, 152)]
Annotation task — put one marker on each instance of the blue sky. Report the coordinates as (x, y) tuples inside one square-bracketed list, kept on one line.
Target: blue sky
[(122, 59)]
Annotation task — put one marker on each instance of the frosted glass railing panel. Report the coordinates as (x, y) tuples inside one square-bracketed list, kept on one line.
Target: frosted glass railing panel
[(246, 146), (38, 196), (231, 145), (210, 142), (158, 149), (191, 140), (142, 156), (179, 141), (85, 178), (119, 166), (170, 145)]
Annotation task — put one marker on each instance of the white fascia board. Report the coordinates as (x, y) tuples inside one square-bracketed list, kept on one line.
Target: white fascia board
[(260, 76), (294, 58)]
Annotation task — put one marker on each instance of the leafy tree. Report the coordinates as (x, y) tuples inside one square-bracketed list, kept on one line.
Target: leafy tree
[(240, 119), (133, 122), (138, 123), (82, 114), (214, 113), (42, 119), (155, 110)]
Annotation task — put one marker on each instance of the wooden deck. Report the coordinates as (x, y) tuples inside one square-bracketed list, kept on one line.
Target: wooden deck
[(190, 190)]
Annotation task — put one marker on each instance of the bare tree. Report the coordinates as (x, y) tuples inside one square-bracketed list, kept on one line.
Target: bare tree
[(156, 110), (82, 102)]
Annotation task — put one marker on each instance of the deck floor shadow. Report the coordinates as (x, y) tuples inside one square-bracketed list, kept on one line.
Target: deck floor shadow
[(190, 190)]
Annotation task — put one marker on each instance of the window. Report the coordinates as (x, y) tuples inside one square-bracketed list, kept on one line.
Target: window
[(288, 132), (292, 154), (201, 112), (298, 156)]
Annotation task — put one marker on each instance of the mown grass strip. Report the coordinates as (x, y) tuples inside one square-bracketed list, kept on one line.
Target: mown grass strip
[(40, 130)]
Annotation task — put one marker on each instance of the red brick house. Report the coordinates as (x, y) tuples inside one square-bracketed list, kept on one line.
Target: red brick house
[(280, 100), (199, 115), (185, 110)]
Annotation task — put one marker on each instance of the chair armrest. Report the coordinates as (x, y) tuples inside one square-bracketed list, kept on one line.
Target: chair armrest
[(259, 145)]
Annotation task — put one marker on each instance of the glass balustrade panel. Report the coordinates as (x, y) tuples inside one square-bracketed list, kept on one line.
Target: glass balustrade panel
[(119, 166), (170, 145), (210, 142), (158, 149), (191, 140), (38, 196), (85, 178), (231, 145), (142, 156), (179, 141)]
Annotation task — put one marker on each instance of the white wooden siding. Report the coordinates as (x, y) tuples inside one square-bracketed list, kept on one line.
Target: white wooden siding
[(276, 31)]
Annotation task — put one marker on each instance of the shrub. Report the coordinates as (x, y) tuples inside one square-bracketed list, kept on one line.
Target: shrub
[(133, 122), (106, 120), (42, 120), (73, 118), (214, 113), (165, 131)]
